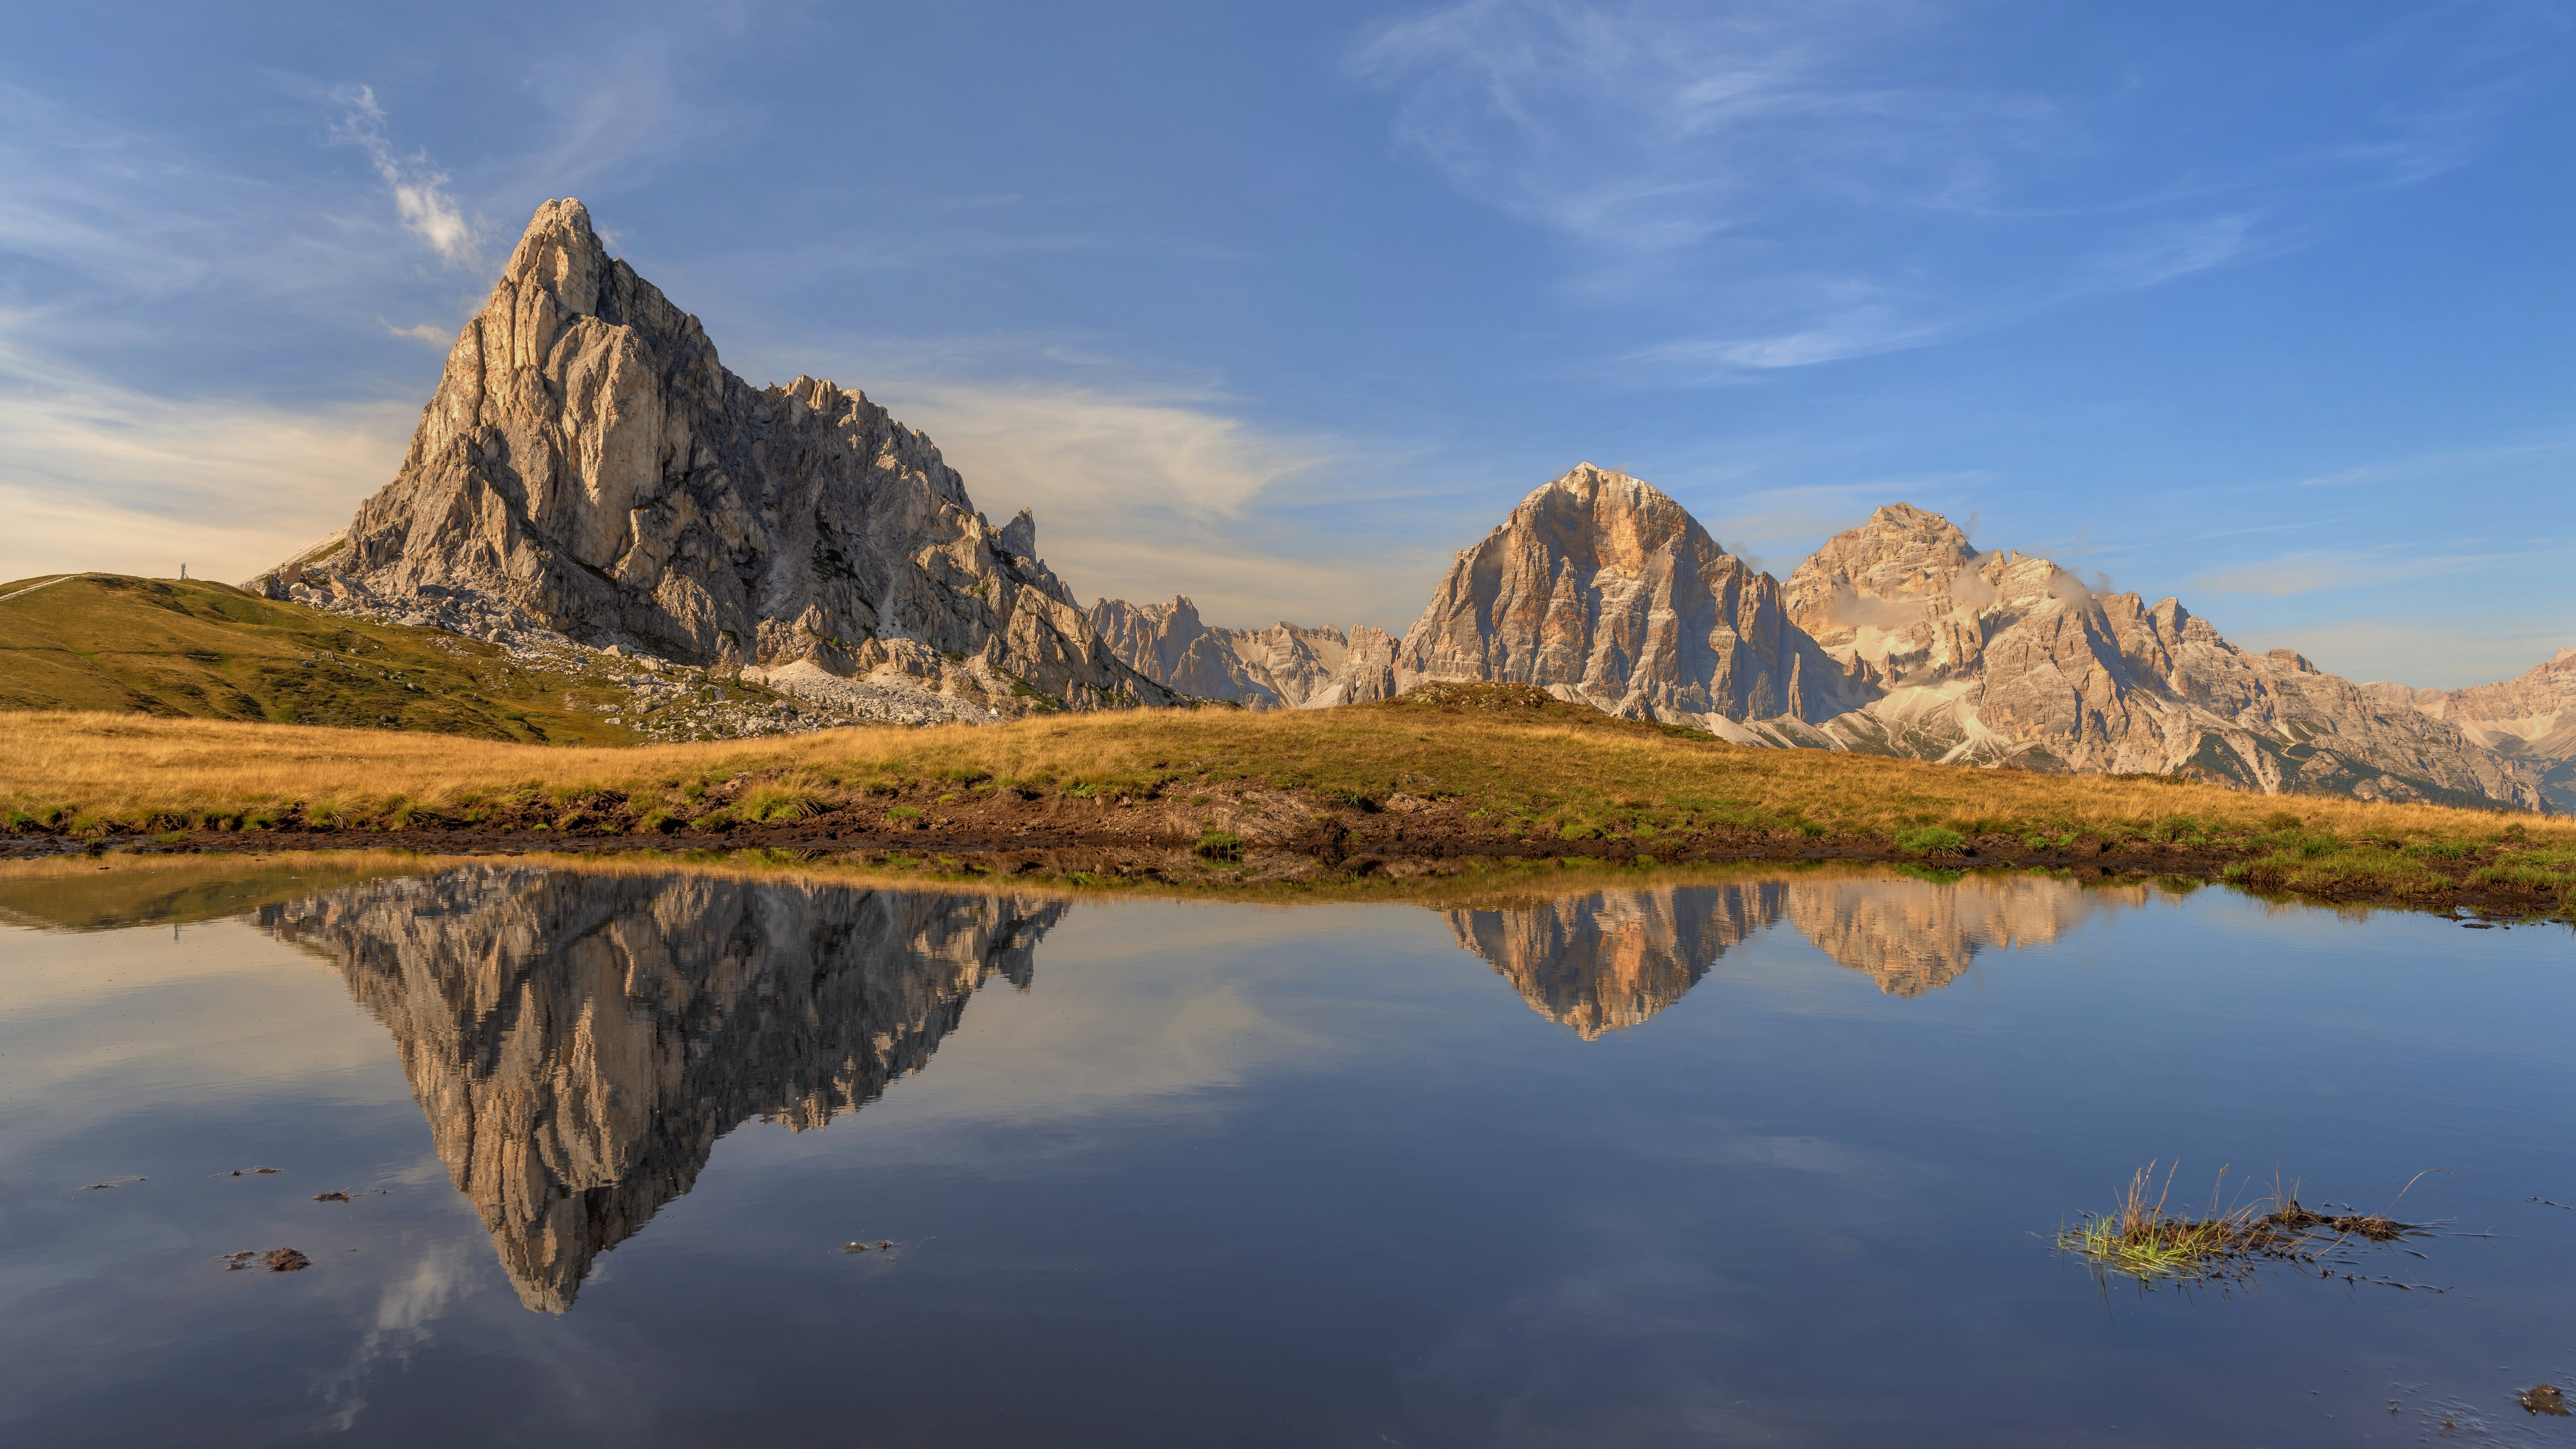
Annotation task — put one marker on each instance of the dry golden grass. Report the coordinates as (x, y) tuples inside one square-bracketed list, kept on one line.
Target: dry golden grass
[(1561, 773)]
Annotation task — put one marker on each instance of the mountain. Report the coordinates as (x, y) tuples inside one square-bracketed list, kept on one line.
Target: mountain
[(580, 1041), (2530, 720), (2002, 658), (1897, 637), (1613, 959), (587, 466), (1286, 666), (1610, 960), (1605, 592)]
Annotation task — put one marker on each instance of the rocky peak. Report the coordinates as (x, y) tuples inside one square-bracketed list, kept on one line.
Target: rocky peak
[(588, 463), (1605, 591)]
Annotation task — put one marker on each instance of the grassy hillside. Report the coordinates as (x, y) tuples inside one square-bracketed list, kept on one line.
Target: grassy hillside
[(1487, 770), (187, 648)]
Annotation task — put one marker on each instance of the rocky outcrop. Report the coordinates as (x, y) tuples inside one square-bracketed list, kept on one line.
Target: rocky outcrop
[(2530, 720), (1603, 591), (1613, 959), (588, 466), (578, 1041), (1993, 658), (1286, 666)]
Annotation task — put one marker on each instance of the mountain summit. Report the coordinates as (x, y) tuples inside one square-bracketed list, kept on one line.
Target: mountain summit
[(588, 464), (1604, 591)]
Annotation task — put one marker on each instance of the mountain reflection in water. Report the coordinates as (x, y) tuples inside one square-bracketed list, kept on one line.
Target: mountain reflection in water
[(579, 1041), (1612, 959)]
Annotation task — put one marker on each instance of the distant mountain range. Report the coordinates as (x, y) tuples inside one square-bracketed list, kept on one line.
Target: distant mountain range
[(587, 470), (1900, 638)]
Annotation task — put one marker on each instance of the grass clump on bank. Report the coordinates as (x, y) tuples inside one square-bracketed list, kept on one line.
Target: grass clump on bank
[(2143, 1239)]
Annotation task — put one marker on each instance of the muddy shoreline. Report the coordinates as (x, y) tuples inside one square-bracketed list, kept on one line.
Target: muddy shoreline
[(1248, 836)]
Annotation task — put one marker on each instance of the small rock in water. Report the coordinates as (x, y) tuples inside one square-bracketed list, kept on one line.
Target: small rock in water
[(331, 1197), (2544, 1399), (235, 1262), (286, 1260)]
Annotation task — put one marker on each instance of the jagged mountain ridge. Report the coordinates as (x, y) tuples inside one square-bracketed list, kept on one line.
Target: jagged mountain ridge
[(1286, 666), (1899, 637), (588, 465), (1614, 959), (2004, 658), (2529, 719)]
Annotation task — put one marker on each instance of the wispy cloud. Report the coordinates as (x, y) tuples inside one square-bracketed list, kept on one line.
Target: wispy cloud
[(2449, 463), (1796, 184), (419, 189), (1145, 494), (2308, 573), (1647, 126), (423, 332), (102, 477), (2427, 656)]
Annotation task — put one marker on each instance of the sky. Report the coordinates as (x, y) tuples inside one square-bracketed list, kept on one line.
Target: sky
[(2269, 307)]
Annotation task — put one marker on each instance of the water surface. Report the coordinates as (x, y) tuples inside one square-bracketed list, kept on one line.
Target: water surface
[(1768, 1159)]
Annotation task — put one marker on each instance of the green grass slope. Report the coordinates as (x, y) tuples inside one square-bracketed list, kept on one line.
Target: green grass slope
[(184, 647)]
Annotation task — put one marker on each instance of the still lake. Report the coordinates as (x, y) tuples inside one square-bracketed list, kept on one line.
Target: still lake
[(1758, 1159)]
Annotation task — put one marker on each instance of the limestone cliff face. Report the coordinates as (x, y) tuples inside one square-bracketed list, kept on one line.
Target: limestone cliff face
[(2530, 720), (1998, 657), (1613, 959), (1286, 666), (586, 461), (1605, 592), (579, 1041)]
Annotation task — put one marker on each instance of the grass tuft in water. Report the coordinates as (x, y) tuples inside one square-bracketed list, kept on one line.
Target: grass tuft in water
[(2144, 1238)]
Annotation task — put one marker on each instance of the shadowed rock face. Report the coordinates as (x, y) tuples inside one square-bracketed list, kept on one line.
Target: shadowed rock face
[(1610, 960), (1993, 658), (579, 1041), (1605, 592), (589, 465)]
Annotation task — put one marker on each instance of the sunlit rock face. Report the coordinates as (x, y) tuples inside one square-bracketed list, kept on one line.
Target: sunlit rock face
[(579, 1041), (1987, 658), (1604, 591), (1613, 959), (588, 465), (1286, 666), (2530, 719), (1603, 962)]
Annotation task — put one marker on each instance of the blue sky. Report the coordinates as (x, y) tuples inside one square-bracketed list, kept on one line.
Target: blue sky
[(2270, 307)]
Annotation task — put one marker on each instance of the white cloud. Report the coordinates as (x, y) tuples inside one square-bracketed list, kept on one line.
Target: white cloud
[(1143, 495), (96, 477), (419, 189), (429, 332)]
